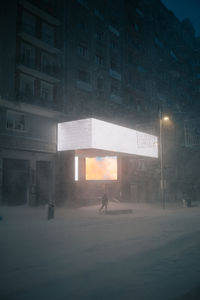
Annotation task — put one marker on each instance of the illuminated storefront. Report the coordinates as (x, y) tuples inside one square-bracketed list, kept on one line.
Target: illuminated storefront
[(96, 150)]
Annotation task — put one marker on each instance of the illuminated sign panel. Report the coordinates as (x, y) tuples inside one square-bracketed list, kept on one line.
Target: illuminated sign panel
[(95, 134), (101, 168)]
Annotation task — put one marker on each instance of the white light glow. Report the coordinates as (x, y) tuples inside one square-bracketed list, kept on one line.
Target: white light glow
[(95, 134), (76, 168), (166, 118)]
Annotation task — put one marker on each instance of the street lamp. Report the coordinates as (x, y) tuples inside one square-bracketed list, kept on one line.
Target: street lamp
[(162, 180)]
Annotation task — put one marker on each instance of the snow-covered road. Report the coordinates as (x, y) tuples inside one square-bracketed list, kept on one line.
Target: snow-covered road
[(81, 254)]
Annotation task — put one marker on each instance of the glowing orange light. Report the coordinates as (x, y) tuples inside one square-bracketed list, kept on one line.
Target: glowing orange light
[(101, 168), (166, 118)]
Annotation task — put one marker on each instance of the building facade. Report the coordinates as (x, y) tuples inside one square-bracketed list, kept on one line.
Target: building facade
[(118, 61), (30, 99)]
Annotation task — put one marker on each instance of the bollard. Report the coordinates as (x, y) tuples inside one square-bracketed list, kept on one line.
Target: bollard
[(51, 207)]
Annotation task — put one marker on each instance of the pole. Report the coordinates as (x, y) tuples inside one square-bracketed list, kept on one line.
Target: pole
[(161, 161)]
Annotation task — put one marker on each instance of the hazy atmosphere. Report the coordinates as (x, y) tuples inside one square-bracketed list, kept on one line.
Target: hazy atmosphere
[(99, 150)]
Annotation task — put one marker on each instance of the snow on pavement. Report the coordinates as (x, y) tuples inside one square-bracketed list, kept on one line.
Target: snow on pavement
[(81, 254)]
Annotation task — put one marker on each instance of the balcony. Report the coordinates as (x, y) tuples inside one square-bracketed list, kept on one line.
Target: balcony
[(38, 43), (116, 98), (84, 85), (37, 73), (44, 15), (114, 74)]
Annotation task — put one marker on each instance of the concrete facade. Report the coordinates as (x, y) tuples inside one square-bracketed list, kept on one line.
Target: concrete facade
[(30, 100), (119, 61)]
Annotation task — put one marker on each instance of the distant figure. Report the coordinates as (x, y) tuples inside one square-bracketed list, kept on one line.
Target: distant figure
[(104, 202)]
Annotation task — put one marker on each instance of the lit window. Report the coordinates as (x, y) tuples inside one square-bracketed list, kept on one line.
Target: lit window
[(48, 34), (46, 91), (15, 121)]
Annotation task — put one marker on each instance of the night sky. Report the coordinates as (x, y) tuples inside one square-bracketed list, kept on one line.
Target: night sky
[(186, 9)]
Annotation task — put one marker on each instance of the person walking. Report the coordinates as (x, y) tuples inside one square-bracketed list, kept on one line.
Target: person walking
[(104, 202)]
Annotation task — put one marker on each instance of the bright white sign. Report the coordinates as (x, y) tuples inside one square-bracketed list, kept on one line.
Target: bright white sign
[(95, 134)]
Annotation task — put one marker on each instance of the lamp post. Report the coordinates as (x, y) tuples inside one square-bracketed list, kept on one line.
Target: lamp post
[(162, 180)]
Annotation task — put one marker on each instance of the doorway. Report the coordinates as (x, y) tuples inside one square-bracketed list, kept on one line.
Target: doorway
[(15, 181)]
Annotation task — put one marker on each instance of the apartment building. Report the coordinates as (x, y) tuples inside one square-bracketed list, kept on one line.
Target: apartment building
[(117, 61), (30, 99)]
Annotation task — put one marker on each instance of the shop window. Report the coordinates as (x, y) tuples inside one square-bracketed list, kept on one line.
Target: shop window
[(15, 120)]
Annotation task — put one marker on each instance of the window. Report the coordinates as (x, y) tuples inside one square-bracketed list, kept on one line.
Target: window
[(28, 23), (173, 55), (99, 13), (114, 26), (99, 35), (98, 59), (114, 89), (26, 85), (47, 63), (83, 26), (48, 34), (136, 27), (46, 91), (114, 23), (15, 120), (158, 42), (27, 55), (83, 76), (83, 3), (114, 43), (82, 50), (100, 83), (114, 65), (140, 13)]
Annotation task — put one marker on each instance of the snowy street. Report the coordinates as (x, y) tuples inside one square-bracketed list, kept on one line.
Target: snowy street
[(151, 254)]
